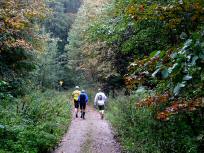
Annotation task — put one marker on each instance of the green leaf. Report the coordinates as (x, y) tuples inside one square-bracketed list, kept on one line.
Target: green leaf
[(174, 55), (154, 53), (183, 36), (155, 72), (162, 54), (187, 77), (194, 60), (3, 82), (202, 56), (171, 69), (178, 88), (2, 126), (186, 45), (165, 73), (200, 137)]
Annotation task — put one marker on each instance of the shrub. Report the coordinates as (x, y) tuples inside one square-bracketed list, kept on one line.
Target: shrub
[(35, 123), (139, 131), (133, 126)]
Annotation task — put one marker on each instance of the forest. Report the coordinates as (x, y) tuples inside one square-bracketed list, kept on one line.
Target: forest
[(147, 56)]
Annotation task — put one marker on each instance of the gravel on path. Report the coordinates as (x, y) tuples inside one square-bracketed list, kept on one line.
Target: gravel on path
[(92, 135)]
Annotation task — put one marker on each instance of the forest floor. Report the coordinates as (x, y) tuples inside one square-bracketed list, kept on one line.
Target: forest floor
[(92, 135)]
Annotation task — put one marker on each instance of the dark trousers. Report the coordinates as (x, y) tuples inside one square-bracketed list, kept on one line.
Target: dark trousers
[(83, 107)]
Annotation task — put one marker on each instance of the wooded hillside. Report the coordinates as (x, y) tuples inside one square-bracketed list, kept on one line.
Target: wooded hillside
[(33, 116), (152, 51), (147, 56)]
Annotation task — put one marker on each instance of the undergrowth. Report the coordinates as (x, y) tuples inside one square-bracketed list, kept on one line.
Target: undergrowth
[(34, 123), (139, 132)]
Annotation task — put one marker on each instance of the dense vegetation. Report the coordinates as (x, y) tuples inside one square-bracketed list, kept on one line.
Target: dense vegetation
[(53, 65), (33, 117), (148, 55), (34, 123), (155, 47)]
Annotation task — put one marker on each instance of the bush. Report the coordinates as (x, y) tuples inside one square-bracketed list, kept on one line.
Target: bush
[(139, 131), (133, 126), (35, 123)]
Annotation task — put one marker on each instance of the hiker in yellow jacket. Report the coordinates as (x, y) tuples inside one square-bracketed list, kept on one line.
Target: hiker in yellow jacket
[(75, 96)]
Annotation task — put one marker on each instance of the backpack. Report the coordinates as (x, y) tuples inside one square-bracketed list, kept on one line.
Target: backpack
[(100, 97), (76, 94), (82, 98)]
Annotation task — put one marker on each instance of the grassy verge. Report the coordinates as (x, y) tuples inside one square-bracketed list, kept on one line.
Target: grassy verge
[(132, 126), (34, 123), (139, 132)]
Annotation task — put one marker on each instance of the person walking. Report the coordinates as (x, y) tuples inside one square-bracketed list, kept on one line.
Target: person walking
[(83, 101), (100, 100), (75, 97)]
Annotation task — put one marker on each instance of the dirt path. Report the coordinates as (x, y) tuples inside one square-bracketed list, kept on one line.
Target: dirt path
[(91, 135)]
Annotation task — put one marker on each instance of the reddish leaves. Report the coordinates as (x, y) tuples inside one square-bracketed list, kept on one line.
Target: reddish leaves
[(16, 23), (174, 108)]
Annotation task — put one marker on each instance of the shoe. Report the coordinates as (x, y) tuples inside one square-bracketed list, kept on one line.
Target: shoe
[(102, 116), (83, 115)]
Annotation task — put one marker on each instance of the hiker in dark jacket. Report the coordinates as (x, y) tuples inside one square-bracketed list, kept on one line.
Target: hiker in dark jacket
[(83, 100)]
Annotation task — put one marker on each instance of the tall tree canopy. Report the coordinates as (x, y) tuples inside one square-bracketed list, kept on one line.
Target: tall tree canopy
[(20, 38), (152, 45)]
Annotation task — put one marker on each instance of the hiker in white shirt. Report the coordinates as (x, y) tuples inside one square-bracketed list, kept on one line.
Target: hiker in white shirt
[(100, 100)]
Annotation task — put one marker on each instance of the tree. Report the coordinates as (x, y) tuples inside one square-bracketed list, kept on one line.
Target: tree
[(58, 25), (19, 38)]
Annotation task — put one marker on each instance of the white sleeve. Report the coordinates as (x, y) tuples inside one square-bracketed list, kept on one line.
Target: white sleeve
[(95, 100)]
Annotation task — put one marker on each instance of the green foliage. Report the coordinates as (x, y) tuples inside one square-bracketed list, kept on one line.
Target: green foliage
[(158, 45), (132, 30), (181, 69), (138, 131), (58, 25), (30, 59), (19, 41), (133, 126), (34, 123), (4, 90), (82, 60)]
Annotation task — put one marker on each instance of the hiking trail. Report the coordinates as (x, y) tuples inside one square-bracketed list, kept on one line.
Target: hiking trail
[(91, 135)]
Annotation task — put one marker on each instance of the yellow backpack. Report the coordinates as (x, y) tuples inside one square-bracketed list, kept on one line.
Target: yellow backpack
[(76, 94)]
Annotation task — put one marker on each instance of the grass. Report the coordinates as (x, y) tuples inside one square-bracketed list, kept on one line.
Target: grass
[(139, 132), (35, 123)]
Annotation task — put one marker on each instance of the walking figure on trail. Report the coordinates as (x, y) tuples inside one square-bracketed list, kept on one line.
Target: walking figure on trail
[(100, 100), (83, 100), (75, 96)]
